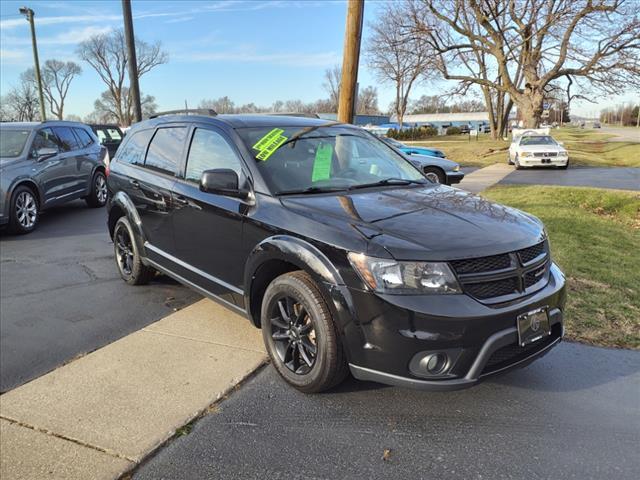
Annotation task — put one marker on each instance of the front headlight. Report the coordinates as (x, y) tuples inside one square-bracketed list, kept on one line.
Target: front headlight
[(456, 168), (526, 154), (410, 278)]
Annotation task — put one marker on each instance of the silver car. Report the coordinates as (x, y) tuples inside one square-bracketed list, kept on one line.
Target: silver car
[(43, 164)]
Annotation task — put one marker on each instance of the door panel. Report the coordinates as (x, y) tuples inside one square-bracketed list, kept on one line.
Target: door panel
[(72, 159), (208, 227), (51, 173)]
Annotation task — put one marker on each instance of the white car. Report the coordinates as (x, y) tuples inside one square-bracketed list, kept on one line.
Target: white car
[(532, 149)]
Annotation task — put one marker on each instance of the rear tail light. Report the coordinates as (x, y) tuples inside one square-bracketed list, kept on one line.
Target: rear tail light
[(107, 162)]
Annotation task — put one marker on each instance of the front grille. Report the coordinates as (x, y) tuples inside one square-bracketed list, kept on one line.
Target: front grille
[(545, 154), (504, 277), (496, 288), (505, 356), (528, 254), (482, 264)]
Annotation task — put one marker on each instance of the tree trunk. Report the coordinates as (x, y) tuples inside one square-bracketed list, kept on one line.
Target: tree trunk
[(530, 105)]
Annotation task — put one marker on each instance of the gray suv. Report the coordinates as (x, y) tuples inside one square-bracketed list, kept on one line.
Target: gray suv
[(43, 164)]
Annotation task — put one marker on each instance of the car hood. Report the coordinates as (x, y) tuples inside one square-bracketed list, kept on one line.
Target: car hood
[(424, 160), (424, 223)]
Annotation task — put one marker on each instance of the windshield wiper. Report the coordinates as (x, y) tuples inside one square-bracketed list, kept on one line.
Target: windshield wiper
[(388, 181), (310, 190), (305, 131)]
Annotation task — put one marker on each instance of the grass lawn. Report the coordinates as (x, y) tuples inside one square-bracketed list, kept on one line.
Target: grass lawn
[(586, 147), (595, 239)]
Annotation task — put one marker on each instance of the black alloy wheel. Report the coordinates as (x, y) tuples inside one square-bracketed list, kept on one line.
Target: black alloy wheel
[(128, 260), (293, 335)]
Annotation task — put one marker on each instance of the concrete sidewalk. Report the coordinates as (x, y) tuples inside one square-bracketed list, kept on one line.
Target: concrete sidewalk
[(99, 416), (481, 179)]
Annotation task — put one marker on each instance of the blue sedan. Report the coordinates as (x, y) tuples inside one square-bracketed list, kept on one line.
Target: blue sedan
[(409, 150), (436, 168)]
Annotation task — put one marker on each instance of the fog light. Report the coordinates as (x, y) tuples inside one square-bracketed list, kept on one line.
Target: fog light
[(435, 363)]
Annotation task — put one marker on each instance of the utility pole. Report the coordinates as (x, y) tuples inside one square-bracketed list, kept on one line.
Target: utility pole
[(134, 89), (29, 14), (351, 58)]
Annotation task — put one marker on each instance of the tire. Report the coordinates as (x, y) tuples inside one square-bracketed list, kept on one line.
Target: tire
[(435, 175), (517, 163), (98, 195), (25, 211), (296, 320), (509, 161), (128, 260)]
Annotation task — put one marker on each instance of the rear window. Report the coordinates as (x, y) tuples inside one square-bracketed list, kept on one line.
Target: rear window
[(165, 150), (84, 138), (12, 142), (134, 150), (67, 139)]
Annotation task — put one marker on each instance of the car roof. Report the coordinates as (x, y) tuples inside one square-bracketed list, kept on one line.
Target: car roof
[(48, 123), (241, 120)]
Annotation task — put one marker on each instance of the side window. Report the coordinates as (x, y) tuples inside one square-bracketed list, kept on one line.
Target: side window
[(210, 150), (67, 139), (165, 149), (45, 138), (135, 148), (114, 134), (83, 136), (101, 135)]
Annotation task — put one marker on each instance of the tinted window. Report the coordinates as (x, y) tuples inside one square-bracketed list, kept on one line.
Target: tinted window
[(209, 150), (67, 139), (83, 136), (12, 142), (165, 149), (45, 138), (134, 150)]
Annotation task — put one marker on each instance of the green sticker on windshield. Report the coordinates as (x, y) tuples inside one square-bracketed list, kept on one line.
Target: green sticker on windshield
[(268, 144), (322, 163)]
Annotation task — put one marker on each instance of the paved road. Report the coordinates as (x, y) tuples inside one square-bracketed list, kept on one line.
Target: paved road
[(606, 177), (573, 414), (61, 296), (623, 134)]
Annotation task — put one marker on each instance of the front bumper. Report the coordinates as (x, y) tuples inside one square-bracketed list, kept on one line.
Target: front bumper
[(454, 177), (394, 329), (543, 162)]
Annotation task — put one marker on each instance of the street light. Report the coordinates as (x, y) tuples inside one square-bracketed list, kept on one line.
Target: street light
[(27, 12)]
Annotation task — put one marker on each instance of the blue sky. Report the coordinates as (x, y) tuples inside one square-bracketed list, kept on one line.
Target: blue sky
[(250, 50)]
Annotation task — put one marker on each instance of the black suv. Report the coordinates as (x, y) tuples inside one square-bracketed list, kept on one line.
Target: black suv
[(345, 255), (43, 164)]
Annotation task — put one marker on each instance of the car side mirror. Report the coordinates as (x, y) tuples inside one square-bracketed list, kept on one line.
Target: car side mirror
[(222, 181), (45, 152)]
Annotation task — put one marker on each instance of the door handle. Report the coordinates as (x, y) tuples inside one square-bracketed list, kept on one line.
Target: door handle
[(134, 183), (182, 200)]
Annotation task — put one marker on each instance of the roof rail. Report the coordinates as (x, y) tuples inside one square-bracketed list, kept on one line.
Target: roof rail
[(195, 111)]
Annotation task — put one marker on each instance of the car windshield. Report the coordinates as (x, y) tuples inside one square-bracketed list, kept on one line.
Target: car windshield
[(12, 142), (325, 158), (538, 140)]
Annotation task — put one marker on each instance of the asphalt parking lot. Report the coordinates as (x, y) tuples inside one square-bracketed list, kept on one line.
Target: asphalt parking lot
[(605, 177), (572, 414), (62, 297)]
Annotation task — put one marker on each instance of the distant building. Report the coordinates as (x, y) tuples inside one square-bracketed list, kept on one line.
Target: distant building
[(437, 119), (359, 119)]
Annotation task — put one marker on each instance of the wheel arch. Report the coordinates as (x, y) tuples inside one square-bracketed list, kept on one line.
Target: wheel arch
[(122, 206), (33, 186), (280, 254)]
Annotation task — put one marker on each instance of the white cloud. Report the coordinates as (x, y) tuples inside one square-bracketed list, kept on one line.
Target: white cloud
[(322, 59), (75, 36), (64, 19)]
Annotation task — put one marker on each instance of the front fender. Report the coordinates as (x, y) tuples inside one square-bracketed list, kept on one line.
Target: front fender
[(121, 205), (304, 256)]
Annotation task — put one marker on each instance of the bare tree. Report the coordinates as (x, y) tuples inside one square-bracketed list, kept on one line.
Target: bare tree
[(107, 55), (21, 103), (109, 111), (368, 101), (331, 84), (220, 105), (397, 58), (56, 79), (513, 49)]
